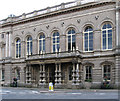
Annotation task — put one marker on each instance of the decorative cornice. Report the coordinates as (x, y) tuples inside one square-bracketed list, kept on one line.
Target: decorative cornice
[(56, 13)]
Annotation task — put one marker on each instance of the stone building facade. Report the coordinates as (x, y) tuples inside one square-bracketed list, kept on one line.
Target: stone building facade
[(72, 45)]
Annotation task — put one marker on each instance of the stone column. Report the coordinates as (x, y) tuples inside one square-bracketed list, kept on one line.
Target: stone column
[(42, 80), (73, 76), (77, 74), (58, 74), (28, 75), (81, 73), (44, 74)]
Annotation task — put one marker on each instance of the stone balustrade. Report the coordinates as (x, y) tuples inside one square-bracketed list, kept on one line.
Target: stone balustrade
[(54, 55), (47, 10)]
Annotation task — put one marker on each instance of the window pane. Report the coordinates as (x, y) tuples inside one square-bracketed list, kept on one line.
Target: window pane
[(104, 43), (57, 47), (86, 36), (104, 27), (109, 43), (90, 45), (31, 47), (109, 26), (73, 38), (53, 48), (91, 36), (86, 45), (73, 31), (69, 46), (69, 39), (73, 45)]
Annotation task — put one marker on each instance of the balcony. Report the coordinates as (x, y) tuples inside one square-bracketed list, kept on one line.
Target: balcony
[(64, 54)]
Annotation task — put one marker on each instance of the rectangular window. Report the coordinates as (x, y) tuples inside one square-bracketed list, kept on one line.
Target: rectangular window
[(88, 74), (107, 72)]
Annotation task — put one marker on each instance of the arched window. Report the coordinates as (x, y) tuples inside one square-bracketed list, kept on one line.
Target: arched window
[(41, 43), (71, 39), (88, 39), (106, 36), (18, 48), (29, 45), (56, 41)]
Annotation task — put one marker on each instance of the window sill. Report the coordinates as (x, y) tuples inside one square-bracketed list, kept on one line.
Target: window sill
[(88, 51), (104, 50)]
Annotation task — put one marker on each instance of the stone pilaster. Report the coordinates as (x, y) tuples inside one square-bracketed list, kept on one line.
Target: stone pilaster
[(35, 45), (22, 74), (6, 48), (23, 49), (117, 59), (0, 53), (8, 74), (10, 43)]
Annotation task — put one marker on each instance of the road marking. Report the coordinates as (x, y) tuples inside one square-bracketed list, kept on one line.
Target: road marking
[(100, 93), (75, 93), (35, 92)]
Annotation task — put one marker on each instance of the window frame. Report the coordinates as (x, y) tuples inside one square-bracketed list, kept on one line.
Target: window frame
[(30, 48), (107, 29), (42, 45), (87, 80), (56, 43), (88, 32), (104, 73), (19, 49), (71, 36)]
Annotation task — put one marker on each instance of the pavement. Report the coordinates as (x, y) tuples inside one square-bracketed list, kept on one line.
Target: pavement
[(44, 93)]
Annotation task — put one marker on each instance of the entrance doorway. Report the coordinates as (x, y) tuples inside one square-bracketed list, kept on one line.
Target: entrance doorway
[(50, 73)]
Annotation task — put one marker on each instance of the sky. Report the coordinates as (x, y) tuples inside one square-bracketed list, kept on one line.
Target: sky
[(18, 7)]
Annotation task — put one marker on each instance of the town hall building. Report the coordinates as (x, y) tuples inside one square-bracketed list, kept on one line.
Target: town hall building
[(72, 45)]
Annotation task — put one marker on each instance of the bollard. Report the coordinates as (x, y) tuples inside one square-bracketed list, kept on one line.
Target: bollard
[(50, 86)]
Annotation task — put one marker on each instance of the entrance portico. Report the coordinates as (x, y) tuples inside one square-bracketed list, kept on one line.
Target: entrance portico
[(61, 72)]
